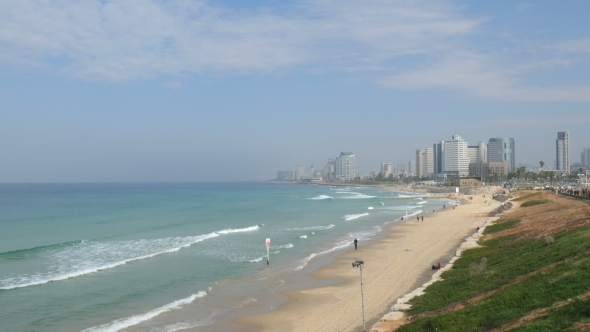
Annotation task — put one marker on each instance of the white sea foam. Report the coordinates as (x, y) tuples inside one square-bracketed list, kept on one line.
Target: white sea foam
[(337, 246), (123, 323), (358, 196), (285, 246), (303, 237), (321, 197), (312, 228), (349, 217), (370, 208), (421, 202), (90, 257), (239, 230), (256, 260)]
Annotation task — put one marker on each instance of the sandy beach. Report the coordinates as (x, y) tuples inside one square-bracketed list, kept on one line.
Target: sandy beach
[(394, 265)]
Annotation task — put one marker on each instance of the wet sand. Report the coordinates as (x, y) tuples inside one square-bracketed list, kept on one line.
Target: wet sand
[(393, 266)]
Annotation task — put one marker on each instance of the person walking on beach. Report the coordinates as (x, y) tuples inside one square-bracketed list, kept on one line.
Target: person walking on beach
[(422, 216), (417, 217), (355, 243)]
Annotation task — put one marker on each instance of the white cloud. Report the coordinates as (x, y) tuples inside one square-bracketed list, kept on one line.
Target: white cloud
[(581, 45), (142, 39), (398, 44), (482, 76)]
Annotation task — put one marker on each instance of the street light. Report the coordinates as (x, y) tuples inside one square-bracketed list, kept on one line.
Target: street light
[(359, 264)]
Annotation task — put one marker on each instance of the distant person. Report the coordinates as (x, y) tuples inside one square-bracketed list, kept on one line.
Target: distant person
[(422, 216), (438, 266), (355, 243), (444, 207), (417, 217)]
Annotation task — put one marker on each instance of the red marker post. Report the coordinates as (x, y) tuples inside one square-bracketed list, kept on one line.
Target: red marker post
[(267, 251)]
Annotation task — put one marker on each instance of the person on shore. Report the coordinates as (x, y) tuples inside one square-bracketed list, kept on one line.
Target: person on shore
[(438, 266), (355, 243), (444, 207), (417, 217), (422, 216)]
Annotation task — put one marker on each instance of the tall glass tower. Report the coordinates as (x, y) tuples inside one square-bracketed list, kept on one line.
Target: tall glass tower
[(562, 151)]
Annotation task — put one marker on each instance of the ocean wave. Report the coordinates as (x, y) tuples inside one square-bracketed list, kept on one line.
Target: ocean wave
[(285, 246), (239, 230), (312, 228), (321, 197), (303, 237), (349, 217), (359, 196), (370, 208), (16, 254), (421, 202), (89, 257), (306, 260), (123, 323)]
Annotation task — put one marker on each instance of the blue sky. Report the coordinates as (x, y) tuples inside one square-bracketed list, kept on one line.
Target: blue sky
[(147, 90)]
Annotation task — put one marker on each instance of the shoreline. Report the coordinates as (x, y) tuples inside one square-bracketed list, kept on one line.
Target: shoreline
[(396, 262)]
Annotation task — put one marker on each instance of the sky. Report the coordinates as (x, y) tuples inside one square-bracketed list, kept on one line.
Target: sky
[(156, 91)]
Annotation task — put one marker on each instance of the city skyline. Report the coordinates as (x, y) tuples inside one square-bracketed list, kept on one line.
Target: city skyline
[(154, 91)]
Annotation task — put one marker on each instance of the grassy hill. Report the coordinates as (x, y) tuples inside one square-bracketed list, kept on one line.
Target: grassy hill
[(532, 273)]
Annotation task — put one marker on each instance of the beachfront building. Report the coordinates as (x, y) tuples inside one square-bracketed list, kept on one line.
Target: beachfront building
[(386, 169), (345, 166), (562, 151), (438, 149), (586, 157), (478, 153), (455, 160), (412, 167), (328, 170), (298, 173), (501, 149)]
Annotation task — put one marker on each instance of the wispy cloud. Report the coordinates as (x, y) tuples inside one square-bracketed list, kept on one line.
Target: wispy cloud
[(581, 45), (398, 44), (533, 122), (139, 39)]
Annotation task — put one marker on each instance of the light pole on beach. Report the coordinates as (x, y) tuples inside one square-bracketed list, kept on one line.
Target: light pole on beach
[(359, 264)]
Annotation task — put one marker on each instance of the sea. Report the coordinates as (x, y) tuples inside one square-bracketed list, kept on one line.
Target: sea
[(171, 256)]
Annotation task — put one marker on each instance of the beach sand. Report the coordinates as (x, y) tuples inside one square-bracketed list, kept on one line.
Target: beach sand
[(393, 266)]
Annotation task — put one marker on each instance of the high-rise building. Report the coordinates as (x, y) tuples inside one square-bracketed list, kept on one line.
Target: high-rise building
[(438, 149), (412, 167), (429, 161), (298, 172), (455, 160), (502, 150), (328, 170), (477, 153), (386, 170), (345, 166), (586, 157), (562, 151), (420, 163)]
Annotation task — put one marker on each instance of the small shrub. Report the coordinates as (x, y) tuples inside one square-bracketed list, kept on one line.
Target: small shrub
[(549, 239), (478, 268)]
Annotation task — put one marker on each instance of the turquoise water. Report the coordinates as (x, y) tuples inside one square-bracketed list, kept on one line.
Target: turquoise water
[(166, 257)]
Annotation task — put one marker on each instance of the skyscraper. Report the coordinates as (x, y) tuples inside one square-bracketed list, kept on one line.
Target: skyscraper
[(420, 163), (455, 158), (586, 157), (438, 149), (502, 150), (345, 166), (562, 151)]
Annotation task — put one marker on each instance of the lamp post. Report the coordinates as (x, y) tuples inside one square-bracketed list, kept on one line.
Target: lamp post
[(359, 264)]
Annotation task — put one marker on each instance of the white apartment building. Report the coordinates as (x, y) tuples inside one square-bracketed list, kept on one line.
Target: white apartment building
[(562, 151), (345, 166), (455, 159)]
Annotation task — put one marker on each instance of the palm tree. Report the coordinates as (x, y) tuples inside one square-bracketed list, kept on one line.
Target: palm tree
[(542, 163)]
